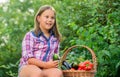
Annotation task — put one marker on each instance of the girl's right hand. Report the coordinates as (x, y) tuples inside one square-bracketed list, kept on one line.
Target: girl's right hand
[(51, 64)]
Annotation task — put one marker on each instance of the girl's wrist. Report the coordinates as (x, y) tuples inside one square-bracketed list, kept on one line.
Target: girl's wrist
[(44, 64)]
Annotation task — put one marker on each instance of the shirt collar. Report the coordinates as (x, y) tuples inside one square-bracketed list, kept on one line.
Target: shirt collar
[(41, 33)]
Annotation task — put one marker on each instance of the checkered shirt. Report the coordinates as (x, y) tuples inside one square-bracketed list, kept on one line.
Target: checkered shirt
[(37, 47)]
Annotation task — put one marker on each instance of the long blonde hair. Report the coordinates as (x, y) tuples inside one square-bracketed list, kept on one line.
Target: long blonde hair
[(36, 23)]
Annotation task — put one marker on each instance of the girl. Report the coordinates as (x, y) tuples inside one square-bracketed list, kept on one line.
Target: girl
[(39, 45)]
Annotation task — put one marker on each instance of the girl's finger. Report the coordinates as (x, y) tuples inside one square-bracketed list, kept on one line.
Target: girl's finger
[(56, 61)]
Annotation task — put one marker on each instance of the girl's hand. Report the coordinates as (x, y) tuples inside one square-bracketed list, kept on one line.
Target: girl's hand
[(51, 64)]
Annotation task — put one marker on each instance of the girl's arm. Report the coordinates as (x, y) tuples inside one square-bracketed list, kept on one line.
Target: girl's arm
[(42, 64)]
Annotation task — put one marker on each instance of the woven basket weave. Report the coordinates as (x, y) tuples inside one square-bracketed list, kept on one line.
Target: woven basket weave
[(79, 73)]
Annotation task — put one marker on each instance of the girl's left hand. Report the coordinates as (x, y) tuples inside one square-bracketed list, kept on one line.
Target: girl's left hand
[(51, 64)]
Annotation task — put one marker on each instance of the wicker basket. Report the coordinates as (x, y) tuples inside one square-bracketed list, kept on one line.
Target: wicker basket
[(79, 73)]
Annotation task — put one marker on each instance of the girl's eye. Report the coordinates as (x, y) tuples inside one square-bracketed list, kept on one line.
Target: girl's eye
[(52, 17), (46, 16)]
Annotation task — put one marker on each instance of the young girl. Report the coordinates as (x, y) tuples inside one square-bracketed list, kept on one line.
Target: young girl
[(39, 45)]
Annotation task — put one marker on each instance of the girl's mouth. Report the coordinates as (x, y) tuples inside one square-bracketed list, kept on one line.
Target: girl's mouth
[(49, 24)]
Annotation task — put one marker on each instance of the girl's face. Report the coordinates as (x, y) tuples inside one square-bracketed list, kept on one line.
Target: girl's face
[(46, 20)]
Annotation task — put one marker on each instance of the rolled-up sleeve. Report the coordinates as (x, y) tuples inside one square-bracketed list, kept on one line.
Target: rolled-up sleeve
[(27, 47)]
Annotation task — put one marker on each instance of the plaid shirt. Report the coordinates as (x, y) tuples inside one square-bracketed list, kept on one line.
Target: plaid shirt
[(40, 47)]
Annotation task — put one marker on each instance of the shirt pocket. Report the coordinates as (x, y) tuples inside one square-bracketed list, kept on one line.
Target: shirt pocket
[(38, 45)]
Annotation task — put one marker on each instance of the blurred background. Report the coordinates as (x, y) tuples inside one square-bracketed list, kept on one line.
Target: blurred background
[(95, 23)]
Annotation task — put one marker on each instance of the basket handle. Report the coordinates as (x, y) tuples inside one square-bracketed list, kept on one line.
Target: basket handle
[(89, 49)]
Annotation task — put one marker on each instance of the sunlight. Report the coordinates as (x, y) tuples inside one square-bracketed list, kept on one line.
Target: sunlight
[(3, 1)]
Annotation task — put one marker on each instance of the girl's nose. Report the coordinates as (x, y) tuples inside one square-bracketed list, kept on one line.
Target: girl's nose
[(49, 19)]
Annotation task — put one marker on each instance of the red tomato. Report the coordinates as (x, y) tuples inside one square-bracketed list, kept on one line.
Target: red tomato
[(87, 62), (91, 64), (88, 68), (87, 65), (82, 66)]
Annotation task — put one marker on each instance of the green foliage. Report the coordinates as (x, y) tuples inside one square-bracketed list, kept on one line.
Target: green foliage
[(7, 70), (95, 23)]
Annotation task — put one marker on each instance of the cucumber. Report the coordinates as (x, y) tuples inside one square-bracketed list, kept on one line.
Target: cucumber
[(55, 57)]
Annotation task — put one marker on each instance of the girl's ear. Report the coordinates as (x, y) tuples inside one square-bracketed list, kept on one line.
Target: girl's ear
[(38, 18)]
